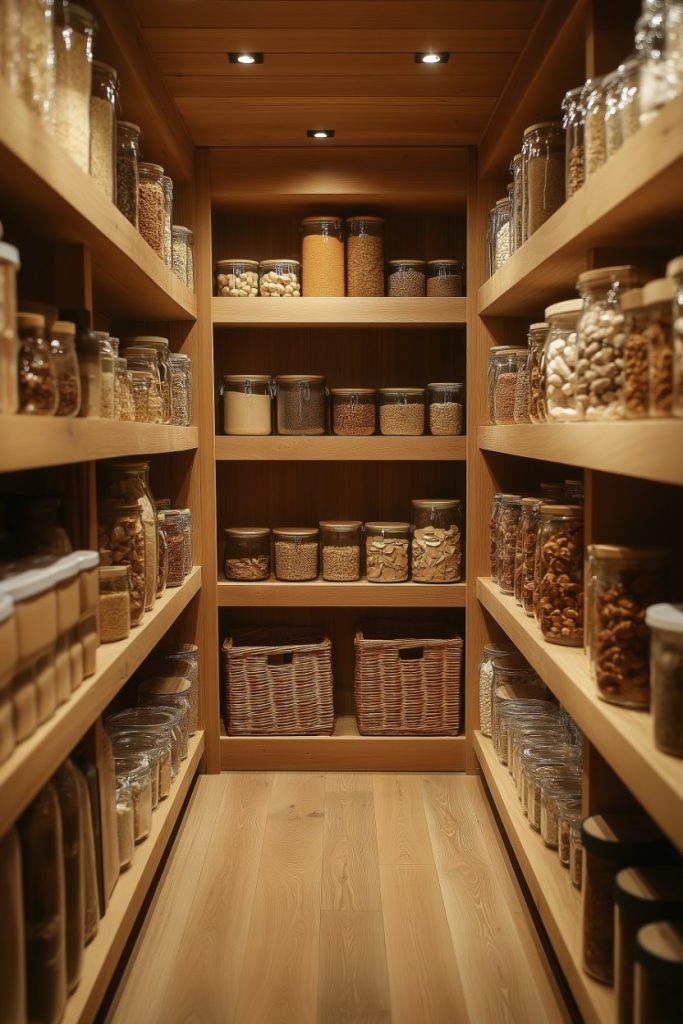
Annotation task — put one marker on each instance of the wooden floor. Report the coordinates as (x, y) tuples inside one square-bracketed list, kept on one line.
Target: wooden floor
[(338, 899)]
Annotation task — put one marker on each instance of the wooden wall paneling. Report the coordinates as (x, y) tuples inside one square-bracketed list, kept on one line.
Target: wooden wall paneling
[(609, 34), (603, 790)]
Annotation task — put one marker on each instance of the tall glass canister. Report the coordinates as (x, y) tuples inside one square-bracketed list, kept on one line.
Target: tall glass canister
[(74, 38)]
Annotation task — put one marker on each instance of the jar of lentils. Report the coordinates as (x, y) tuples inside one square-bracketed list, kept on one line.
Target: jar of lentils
[(354, 411), (445, 278), (296, 553), (406, 278), (237, 279), (402, 411), (365, 256)]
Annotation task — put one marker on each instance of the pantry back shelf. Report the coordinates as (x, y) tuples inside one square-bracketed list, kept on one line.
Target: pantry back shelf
[(339, 312), (341, 449)]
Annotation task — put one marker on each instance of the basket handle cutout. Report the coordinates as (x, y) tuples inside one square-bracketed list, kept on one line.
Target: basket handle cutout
[(286, 658), (411, 653)]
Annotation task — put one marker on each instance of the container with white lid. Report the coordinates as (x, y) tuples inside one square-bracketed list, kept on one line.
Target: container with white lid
[(66, 572), (8, 664), (666, 675), (9, 266)]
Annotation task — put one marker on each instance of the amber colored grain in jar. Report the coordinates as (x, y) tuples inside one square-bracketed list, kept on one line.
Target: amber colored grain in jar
[(322, 248)]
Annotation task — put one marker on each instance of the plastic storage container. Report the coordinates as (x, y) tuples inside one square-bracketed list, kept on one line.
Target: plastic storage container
[(406, 278), (62, 335), (74, 38), (151, 206), (340, 543), (402, 411), (9, 267), (658, 973), (365, 256), (322, 248), (436, 541), (507, 364), (594, 138), (247, 404), (280, 279), (543, 174), (128, 149), (386, 552), (300, 404), (560, 574), (446, 405), (573, 124), (445, 278), (354, 411), (666, 672), (237, 279), (558, 370), (247, 553), (115, 601), (103, 106), (38, 388), (296, 553)]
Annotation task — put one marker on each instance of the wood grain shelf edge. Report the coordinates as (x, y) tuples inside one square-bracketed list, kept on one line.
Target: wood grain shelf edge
[(321, 594), (339, 312), (312, 449)]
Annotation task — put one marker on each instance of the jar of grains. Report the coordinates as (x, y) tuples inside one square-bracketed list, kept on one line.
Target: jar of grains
[(167, 189), (176, 548), (185, 662), (507, 527), (520, 413), (573, 124), (445, 408), (560, 574), (354, 411), (247, 404), (168, 692), (134, 770), (673, 51), (124, 825), (543, 174), (38, 388), (489, 652), (340, 550), (507, 364), (159, 722), (594, 138), (650, 44), (186, 519), (180, 241), (569, 810), (107, 376), (149, 406), (658, 299), (437, 540), (525, 555), (104, 103), (490, 241), (558, 367), (658, 977), (162, 360), (402, 411), (322, 250), (554, 793), (151, 206), (612, 841), (74, 36), (491, 377), (576, 851), (162, 536), (365, 256), (613, 136), (35, 56), (279, 279), (9, 267), (445, 277), (140, 384), (65, 362), (296, 553), (636, 388), (511, 202), (121, 542), (666, 667), (128, 149), (237, 279), (517, 200), (674, 271), (300, 404), (501, 243), (190, 260), (406, 278), (629, 102), (131, 484), (537, 336), (114, 610), (181, 389), (386, 552), (247, 553)]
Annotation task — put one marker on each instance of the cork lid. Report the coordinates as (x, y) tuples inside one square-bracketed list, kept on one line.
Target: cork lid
[(436, 502), (674, 267), (511, 499), (445, 263), (143, 165), (632, 299), (627, 273), (129, 126), (620, 553), (295, 531), (242, 378), (341, 525), (300, 378), (113, 572), (541, 124), (659, 948), (165, 684), (650, 891), (506, 497), (573, 511), (369, 218), (349, 392), (30, 320), (623, 837), (666, 617), (446, 386), (563, 308), (245, 532), (63, 327), (323, 219), (249, 264), (390, 528), (407, 263), (278, 263), (146, 341), (532, 502), (660, 290), (401, 391), (540, 326)]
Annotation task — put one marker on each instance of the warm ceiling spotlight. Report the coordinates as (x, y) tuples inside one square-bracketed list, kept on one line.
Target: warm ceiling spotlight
[(245, 58), (432, 58), (320, 133)]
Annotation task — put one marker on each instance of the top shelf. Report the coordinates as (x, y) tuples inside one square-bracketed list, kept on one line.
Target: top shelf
[(339, 312), (637, 189), (40, 183)]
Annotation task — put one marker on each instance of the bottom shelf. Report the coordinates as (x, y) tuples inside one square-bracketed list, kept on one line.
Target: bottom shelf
[(103, 953), (344, 750), (557, 901)]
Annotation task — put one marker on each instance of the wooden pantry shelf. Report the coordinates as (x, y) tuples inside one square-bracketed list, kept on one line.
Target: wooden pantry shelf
[(623, 737), (638, 188), (48, 193), (342, 449), (33, 762), (30, 442), (647, 449), (102, 955), (344, 750), (339, 312), (557, 901), (321, 594)]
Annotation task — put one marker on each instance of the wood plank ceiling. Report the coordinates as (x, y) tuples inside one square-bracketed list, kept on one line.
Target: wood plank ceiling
[(342, 64)]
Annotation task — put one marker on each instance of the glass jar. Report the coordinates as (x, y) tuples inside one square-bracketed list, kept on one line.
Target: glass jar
[(35, 53), (74, 37), (558, 367), (553, 793), (167, 189), (147, 399), (68, 792), (140, 382), (611, 841), (9, 267), (365, 256), (573, 124), (135, 772), (169, 692), (542, 174), (666, 668), (658, 977), (612, 85), (162, 363), (322, 249), (176, 547), (507, 364), (446, 405), (650, 44), (386, 552), (190, 260), (156, 745), (159, 723), (104, 103), (247, 404), (296, 553), (517, 200), (125, 824), (180, 244), (623, 582), (237, 279), (569, 811), (636, 390), (437, 540), (494, 351), (107, 376), (300, 404), (511, 203), (340, 550), (12, 938), (128, 151), (115, 601), (576, 852), (406, 278), (65, 362), (354, 411), (520, 703), (560, 591), (121, 542), (445, 278), (673, 50), (402, 411), (501, 243), (674, 271), (92, 901), (490, 241), (535, 755), (247, 553), (123, 392), (186, 521), (520, 412), (151, 206), (629, 99), (563, 766), (493, 533), (131, 483), (594, 139), (494, 649), (185, 662), (65, 579), (181, 389), (38, 389), (162, 575), (134, 743), (537, 336), (525, 553), (600, 342), (88, 352), (507, 525), (658, 299)]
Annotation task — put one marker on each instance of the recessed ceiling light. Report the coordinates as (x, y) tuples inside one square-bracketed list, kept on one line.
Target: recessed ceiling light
[(432, 57), (320, 133), (245, 58)]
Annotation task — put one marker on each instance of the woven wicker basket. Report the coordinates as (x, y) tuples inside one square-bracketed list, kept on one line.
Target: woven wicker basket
[(407, 680), (278, 682)]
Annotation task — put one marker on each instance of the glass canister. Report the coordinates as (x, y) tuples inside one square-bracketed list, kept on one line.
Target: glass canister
[(140, 382), (125, 824), (247, 404), (537, 336), (300, 404), (501, 242), (539, 754), (354, 411), (650, 44), (322, 250), (525, 553), (543, 158), (674, 271), (186, 520), (128, 151), (445, 278), (181, 389), (151, 206), (402, 411), (519, 703), (490, 240), (436, 540), (35, 50), (279, 279), (558, 367), (658, 299), (612, 85), (511, 203), (107, 376), (162, 575), (446, 404), (507, 364), (65, 362), (569, 811), (658, 977), (636, 390), (520, 413), (131, 484), (38, 388), (159, 722), (594, 138), (9, 267), (176, 547), (340, 543), (561, 766), (121, 542), (507, 526), (365, 256), (134, 771), (560, 589), (74, 37), (576, 851), (666, 673), (135, 743), (9, 656), (573, 124), (179, 241), (104, 103), (168, 692), (237, 279), (517, 200), (114, 609), (65, 782), (629, 98), (124, 409), (494, 649), (491, 377), (88, 352), (296, 553), (553, 793), (185, 662), (406, 278), (386, 552), (167, 189), (147, 398), (12, 937), (162, 353)]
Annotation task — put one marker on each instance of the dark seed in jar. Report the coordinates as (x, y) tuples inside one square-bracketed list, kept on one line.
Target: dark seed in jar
[(353, 418)]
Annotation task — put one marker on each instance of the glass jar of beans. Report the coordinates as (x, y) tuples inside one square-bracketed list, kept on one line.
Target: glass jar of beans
[(354, 411), (402, 411), (445, 408), (406, 278), (445, 277), (340, 550), (296, 553)]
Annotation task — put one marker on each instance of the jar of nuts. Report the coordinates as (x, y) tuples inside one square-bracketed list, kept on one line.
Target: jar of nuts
[(353, 411), (507, 525), (525, 569), (340, 550), (247, 553), (386, 552), (558, 366), (300, 404), (658, 299), (674, 271), (402, 411), (406, 278), (121, 541), (437, 540), (296, 553), (65, 362), (322, 248), (445, 277), (445, 409), (279, 279), (38, 388), (560, 574), (365, 256), (237, 279)]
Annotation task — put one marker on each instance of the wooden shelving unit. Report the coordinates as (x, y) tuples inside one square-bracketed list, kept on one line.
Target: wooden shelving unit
[(357, 312), (341, 449), (321, 594)]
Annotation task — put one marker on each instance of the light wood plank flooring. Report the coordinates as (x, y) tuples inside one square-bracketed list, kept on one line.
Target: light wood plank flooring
[(337, 899)]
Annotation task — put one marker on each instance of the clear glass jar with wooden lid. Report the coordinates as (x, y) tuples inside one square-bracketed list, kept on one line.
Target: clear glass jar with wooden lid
[(629, 97), (167, 190), (517, 200), (125, 825), (402, 411), (151, 206), (156, 748), (658, 976), (354, 411), (560, 574), (180, 239), (406, 278), (9, 656), (502, 234), (107, 375), (247, 404), (38, 388), (436, 540), (74, 40), (104, 101), (593, 99), (446, 404), (387, 547), (280, 279), (636, 386), (159, 722), (525, 554), (121, 541), (300, 404), (33, 57), (62, 335), (148, 401), (247, 553), (445, 278), (508, 363), (340, 542), (543, 174), (558, 368), (485, 676), (613, 133), (134, 769), (162, 352), (573, 123), (181, 389), (296, 553), (170, 691), (322, 256), (237, 278), (365, 256), (491, 376), (123, 397)]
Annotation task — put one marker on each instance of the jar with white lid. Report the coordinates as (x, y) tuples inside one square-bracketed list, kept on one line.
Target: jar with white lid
[(446, 404), (322, 256), (9, 655), (296, 553), (558, 368), (665, 622), (402, 411), (445, 278), (247, 553), (300, 404), (247, 404), (9, 267), (387, 547), (340, 542), (237, 278), (406, 278), (658, 977), (365, 256), (354, 411), (38, 388), (74, 40), (436, 540), (104, 103)]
